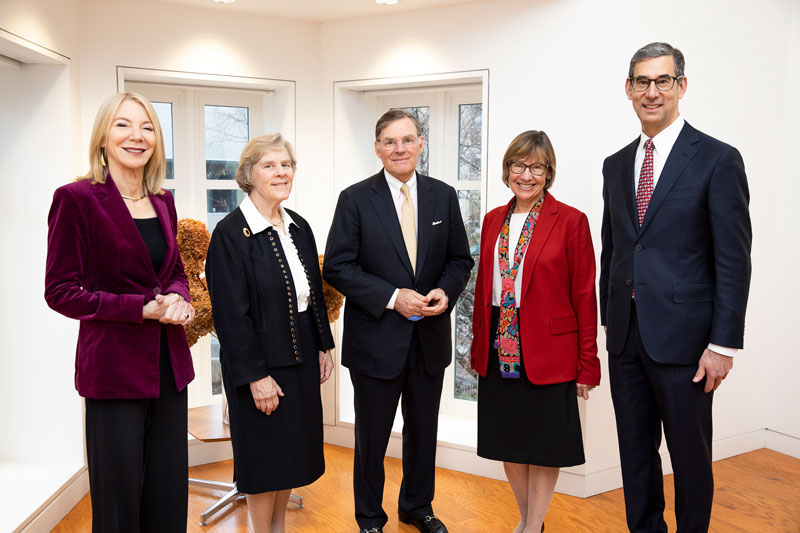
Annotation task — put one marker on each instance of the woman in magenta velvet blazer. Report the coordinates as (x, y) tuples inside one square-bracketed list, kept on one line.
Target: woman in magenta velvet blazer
[(534, 329), (113, 263)]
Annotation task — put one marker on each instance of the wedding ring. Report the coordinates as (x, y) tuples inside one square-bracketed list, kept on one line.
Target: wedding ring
[(186, 315)]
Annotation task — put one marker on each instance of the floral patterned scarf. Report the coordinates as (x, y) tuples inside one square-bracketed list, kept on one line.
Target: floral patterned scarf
[(507, 341)]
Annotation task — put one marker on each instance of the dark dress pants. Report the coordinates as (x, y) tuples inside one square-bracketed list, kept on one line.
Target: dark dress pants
[(138, 460), (375, 407), (646, 394)]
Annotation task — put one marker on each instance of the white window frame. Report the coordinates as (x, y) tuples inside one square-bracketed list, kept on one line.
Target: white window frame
[(271, 108), (442, 93)]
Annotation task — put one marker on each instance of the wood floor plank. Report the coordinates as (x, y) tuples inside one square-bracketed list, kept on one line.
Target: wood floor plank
[(758, 492)]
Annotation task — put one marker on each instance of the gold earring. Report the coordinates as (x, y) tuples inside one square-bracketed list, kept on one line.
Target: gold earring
[(102, 159)]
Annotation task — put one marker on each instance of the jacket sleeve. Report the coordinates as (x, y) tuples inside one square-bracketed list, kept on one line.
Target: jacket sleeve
[(459, 262), (479, 300), (607, 242), (313, 262), (230, 302), (177, 282), (341, 266), (67, 253), (580, 257), (729, 217)]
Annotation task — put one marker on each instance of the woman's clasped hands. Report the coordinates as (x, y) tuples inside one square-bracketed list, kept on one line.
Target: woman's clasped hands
[(169, 309)]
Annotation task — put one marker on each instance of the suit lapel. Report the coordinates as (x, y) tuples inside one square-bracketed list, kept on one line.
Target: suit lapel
[(544, 225), (113, 203), (682, 152), (384, 208), (629, 173), (425, 208), (489, 248)]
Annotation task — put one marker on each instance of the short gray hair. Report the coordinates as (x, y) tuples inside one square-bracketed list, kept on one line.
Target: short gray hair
[(394, 115), (652, 50), (254, 151)]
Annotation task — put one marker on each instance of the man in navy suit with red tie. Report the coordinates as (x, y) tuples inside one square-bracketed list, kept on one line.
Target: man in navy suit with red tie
[(675, 275)]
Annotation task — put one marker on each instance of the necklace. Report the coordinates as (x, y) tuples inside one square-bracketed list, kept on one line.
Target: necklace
[(277, 224), (131, 198)]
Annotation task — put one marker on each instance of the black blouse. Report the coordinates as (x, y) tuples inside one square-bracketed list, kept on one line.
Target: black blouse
[(150, 229)]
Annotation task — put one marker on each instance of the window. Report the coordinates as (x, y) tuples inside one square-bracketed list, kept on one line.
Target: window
[(451, 121), (451, 112), (205, 130)]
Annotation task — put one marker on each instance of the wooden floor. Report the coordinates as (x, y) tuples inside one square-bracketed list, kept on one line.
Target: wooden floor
[(755, 492)]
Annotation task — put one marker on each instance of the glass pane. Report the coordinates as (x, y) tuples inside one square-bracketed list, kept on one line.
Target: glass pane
[(466, 380), (422, 114), (219, 203), (216, 369), (227, 131), (164, 113), (469, 141)]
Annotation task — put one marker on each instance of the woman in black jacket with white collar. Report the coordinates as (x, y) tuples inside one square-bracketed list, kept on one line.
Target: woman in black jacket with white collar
[(275, 340)]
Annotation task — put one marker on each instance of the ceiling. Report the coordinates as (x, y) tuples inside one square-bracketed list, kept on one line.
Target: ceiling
[(318, 10)]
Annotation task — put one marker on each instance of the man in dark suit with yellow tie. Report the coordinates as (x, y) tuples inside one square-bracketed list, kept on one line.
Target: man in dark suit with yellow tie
[(398, 251), (675, 275)]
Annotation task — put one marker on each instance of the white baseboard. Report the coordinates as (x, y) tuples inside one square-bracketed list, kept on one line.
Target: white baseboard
[(580, 484), (782, 443), (59, 505), (202, 453)]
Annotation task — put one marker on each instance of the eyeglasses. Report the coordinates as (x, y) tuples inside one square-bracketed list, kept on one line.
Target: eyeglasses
[(536, 169), (407, 142), (663, 83)]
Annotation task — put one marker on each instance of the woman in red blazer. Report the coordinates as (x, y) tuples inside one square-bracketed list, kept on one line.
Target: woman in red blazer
[(534, 329), (113, 263)]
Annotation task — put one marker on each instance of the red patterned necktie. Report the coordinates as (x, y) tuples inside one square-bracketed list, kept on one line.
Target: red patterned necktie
[(645, 189)]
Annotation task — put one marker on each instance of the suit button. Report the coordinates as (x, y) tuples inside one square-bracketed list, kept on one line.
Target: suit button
[(638, 248), (156, 291), (628, 283)]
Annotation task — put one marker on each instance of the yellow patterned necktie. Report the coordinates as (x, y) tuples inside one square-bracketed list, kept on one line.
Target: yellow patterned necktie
[(408, 226)]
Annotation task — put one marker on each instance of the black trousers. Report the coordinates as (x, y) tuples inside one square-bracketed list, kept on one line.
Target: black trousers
[(647, 394), (138, 460), (375, 406)]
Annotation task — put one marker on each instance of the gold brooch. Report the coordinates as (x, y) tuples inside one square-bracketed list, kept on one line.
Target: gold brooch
[(246, 232)]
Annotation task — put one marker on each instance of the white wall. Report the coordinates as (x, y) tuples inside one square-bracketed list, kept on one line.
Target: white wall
[(560, 67), (36, 346), (157, 35), (780, 344), (743, 67)]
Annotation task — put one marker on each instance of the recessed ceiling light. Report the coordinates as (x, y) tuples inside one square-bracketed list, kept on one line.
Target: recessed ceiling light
[(387, 2), (224, 1)]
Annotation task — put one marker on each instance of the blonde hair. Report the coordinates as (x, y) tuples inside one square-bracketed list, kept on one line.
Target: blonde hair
[(154, 170), (531, 144), (254, 151)]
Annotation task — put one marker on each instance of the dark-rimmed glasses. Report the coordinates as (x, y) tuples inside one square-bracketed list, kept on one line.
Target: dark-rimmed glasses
[(663, 83), (536, 169)]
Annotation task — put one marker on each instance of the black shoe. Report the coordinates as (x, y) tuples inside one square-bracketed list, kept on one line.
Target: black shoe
[(427, 524), (371, 530)]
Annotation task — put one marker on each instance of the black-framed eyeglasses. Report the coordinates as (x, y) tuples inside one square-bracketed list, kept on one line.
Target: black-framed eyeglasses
[(536, 169), (663, 83)]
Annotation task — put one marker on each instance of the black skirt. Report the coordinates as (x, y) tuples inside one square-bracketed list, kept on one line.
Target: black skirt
[(519, 422), (282, 450)]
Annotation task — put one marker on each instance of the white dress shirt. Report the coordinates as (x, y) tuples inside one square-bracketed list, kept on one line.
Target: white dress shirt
[(662, 146), (398, 198), (514, 231), (257, 224)]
